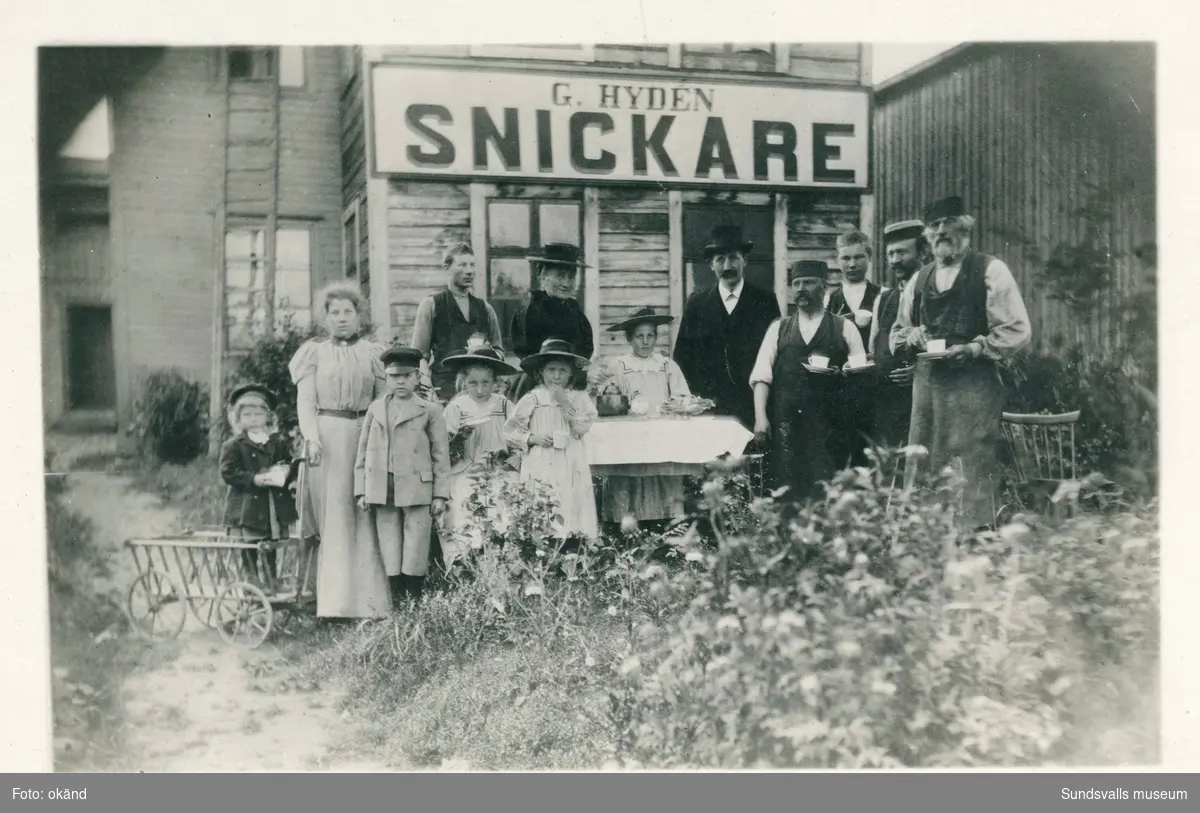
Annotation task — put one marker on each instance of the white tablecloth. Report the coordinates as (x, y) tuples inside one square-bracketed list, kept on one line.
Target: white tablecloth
[(683, 444)]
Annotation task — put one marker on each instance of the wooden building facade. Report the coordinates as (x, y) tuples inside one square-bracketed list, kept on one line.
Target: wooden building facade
[(509, 148), (1052, 146)]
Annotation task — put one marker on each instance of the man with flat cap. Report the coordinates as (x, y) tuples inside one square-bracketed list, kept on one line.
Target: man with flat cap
[(723, 327), (798, 385), (905, 249), (970, 302)]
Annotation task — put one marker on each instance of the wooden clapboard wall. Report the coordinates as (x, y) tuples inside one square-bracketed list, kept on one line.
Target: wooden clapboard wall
[(634, 261)]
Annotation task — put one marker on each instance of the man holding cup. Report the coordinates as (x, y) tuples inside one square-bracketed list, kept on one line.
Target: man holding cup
[(798, 385), (963, 314), (906, 250), (854, 300)]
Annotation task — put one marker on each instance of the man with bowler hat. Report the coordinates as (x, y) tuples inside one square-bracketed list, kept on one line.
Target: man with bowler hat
[(799, 387), (905, 249), (970, 302), (723, 327)]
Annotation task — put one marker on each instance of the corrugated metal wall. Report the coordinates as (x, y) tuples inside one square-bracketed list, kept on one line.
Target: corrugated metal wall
[(1024, 133)]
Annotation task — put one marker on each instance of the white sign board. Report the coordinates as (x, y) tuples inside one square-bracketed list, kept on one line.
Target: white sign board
[(485, 123)]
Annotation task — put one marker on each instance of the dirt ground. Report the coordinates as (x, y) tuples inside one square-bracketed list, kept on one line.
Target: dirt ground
[(201, 705)]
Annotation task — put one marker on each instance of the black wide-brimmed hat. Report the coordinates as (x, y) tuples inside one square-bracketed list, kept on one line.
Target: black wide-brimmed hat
[(725, 240), (644, 316), (558, 255), (485, 356), (553, 350), (902, 230), (952, 206), (400, 359), (238, 396), (808, 269)]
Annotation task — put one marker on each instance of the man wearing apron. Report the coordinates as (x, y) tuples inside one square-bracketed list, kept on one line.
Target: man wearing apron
[(797, 406), (447, 320), (904, 243), (971, 302)]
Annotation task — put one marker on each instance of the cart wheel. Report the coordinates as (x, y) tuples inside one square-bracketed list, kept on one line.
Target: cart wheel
[(243, 615), (155, 608)]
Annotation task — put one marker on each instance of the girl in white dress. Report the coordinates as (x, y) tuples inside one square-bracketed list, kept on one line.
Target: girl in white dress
[(548, 426), (475, 421), (647, 376)]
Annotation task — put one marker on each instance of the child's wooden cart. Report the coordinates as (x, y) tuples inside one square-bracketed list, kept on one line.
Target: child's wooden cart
[(207, 571)]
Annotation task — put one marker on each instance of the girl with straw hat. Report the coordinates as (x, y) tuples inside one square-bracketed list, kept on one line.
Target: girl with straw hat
[(548, 425)]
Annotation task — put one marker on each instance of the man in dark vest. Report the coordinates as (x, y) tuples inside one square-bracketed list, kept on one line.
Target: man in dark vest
[(798, 403), (854, 300), (971, 302), (447, 320), (905, 247), (723, 327)]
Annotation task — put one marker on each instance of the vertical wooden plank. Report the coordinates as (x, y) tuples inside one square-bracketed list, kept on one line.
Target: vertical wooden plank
[(216, 383), (866, 224), (780, 240), (591, 256), (783, 57), (377, 210), (479, 197), (675, 56), (675, 270), (864, 64)]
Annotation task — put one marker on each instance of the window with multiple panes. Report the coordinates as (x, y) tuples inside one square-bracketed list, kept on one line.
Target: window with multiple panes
[(748, 56), (248, 279), (251, 63), (517, 228), (285, 63)]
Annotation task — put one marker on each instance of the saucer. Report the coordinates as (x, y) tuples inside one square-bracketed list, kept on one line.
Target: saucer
[(929, 354), (821, 370), (870, 365)]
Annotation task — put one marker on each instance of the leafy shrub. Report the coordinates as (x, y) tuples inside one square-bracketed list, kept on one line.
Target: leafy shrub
[(171, 417), (267, 364), (862, 631)]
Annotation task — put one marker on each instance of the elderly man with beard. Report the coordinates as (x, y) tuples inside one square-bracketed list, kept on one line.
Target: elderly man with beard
[(722, 328), (971, 302), (797, 405), (906, 250)]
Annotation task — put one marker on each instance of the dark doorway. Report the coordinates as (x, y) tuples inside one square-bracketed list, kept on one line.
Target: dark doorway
[(91, 373), (758, 226)]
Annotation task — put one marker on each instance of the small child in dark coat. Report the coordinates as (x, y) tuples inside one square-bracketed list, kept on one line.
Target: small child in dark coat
[(256, 465)]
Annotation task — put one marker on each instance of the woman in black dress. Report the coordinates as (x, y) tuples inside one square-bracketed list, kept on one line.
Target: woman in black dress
[(552, 312)]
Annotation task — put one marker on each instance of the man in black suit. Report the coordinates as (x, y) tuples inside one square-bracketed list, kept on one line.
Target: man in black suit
[(723, 327)]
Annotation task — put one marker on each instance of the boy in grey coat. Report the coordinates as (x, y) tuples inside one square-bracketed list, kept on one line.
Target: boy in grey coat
[(402, 473)]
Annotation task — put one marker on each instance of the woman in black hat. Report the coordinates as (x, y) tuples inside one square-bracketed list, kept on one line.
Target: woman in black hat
[(647, 378), (552, 312)]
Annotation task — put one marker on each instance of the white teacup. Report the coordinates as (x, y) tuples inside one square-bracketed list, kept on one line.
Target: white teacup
[(820, 362), (862, 318), (858, 361), (936, 345)]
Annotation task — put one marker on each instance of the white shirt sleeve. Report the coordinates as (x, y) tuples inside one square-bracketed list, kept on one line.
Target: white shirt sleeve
[(765, 363), (853, 338), (875, 319), (1008, 320)]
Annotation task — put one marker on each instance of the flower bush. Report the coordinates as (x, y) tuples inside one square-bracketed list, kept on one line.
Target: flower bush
[(170, 422)]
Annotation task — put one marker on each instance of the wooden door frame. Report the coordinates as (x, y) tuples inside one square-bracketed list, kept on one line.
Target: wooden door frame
[(766, 209)]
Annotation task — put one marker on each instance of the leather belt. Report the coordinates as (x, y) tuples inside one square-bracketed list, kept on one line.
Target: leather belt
[(348, 414)]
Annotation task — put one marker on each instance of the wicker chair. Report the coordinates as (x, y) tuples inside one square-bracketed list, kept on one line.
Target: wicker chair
[(1043, 451)]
